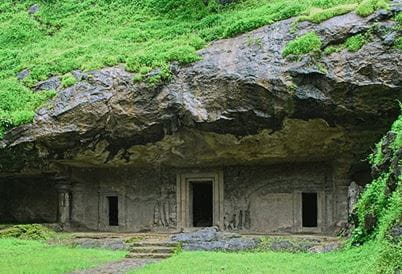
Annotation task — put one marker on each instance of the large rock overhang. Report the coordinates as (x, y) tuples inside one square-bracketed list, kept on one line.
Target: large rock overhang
[(242, 104)]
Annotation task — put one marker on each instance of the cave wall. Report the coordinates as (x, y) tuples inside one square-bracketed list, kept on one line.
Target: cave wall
[(146, 197), (268, 199), (28, 200), (256, 198)]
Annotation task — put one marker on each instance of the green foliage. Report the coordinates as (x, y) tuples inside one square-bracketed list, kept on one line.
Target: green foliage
[(389, 259), (380, 206), (367, 7), (27, 232), (283, 243), (137, 77), (398, 43), (356, 42), (178, 249), (320, 15), (373, 257), (27, 256), (68, 80), (332, 49), (17, 104), (352, 44), (398, 40), (307, 43), (144, 35), (398, 18), (162, 75)]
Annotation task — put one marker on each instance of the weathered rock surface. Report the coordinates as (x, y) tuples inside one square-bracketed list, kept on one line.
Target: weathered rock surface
[(242, 103), (211, 239)]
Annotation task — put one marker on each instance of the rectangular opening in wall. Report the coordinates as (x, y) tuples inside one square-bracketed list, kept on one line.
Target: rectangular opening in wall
[(309, 209), (202, 203), (113, 206)]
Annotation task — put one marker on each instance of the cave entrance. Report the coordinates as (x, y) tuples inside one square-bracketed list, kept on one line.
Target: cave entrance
[(309, 209), (113, 210), (200, 199), (202, 211)]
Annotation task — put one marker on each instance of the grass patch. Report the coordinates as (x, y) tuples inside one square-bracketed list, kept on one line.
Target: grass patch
[(368, 7), (320, 15), (352, 44), (356, 42), (307, 43), (367, 259), (27, 256), (68, 80), (143, 35)]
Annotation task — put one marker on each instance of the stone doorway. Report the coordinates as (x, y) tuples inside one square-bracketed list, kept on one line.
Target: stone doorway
[(202, 205), (113, 210), (200, 199), (309, 209)]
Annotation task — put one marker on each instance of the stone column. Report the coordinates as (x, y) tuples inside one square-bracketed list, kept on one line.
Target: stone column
[(63, 187), (77, 204), (341, 181)]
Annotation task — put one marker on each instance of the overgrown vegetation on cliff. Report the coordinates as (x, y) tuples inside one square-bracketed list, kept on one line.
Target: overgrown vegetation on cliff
[(379, 209), (57, 37)]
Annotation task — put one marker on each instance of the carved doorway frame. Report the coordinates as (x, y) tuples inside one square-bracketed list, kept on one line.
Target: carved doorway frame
[(184, 201), (297, 210)]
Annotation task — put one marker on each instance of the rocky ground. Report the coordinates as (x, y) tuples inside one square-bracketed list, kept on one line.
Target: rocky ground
[(207, 239)]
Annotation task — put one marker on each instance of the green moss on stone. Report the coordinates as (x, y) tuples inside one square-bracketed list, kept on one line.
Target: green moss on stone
[(356, 42), (332, 49), (307, 43), (68, 80), (320, 15)]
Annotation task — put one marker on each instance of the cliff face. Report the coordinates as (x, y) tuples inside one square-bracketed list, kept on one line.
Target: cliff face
[(242, 103)]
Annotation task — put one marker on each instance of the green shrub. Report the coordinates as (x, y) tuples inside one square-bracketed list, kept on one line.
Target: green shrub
[(27, 232), (356, 42), (68, 80), (398, 18), (17, 104), (368, 7), (320, 15), (307, 43), (398, 43), (332, 49), (380, 206), (137, 77)]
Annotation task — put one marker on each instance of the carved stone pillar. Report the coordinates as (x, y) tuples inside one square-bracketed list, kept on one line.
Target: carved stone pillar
[(77, 204), (63, 187)]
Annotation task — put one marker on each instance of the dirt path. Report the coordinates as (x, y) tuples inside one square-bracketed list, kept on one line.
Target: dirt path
[(119, 267)]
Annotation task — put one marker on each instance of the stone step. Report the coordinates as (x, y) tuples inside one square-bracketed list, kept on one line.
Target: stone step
[(161, 244), (152, 249), (149, 255)]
